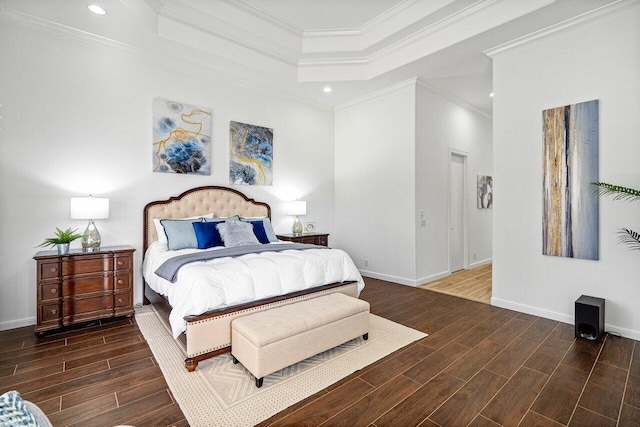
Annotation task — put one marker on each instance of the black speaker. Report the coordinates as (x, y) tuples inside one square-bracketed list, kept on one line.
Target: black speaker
[(590, 318)]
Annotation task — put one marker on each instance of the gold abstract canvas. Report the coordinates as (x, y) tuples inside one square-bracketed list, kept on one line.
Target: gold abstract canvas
[(570, 165)]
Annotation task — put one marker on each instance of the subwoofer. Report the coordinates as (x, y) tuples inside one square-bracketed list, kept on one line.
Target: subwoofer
[(589, 318)]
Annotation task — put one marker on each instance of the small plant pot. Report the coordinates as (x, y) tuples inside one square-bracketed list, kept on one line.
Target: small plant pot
[(63, 248)]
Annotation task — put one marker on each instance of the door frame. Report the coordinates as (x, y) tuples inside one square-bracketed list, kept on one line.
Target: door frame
[(465, 209)]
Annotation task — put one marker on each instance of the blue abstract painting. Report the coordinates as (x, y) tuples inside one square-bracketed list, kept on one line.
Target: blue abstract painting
[(570, 162), (181, 138), (250, 154)]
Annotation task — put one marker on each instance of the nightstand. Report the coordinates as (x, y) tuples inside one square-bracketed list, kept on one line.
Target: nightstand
[(82, 286), (321, 239)]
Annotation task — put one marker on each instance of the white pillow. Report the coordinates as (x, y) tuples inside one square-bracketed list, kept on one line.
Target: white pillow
[(237, 233), (162, 237)]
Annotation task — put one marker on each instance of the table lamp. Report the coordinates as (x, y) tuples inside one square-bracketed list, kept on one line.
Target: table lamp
[(90, 208), (297, 207)]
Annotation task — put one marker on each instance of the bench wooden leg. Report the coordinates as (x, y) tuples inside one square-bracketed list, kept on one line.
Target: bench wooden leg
[(366, 336), (259, 382)]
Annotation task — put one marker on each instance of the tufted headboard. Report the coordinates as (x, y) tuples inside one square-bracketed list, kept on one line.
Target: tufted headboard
[(221, 201)]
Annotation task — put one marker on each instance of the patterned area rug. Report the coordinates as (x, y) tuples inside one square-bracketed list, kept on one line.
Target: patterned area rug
[(219, 393)]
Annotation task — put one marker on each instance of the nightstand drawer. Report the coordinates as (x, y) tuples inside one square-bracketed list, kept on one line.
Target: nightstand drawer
[(72, 266), (122, 263), (50, 312), (86, 285), (122, 281), (49, 270), (50, 291), (122, 300), (75, 309)]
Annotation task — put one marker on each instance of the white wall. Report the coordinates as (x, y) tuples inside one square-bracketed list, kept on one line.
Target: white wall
[(597, 60), (391, 162), (76, 119), (443, 125), (375, 182)]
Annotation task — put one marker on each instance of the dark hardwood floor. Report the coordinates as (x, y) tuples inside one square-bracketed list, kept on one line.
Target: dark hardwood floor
[(480, 366)]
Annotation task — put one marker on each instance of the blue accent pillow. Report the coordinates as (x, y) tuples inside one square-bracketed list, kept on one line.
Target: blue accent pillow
[(258, 230), (207, 234), (266, 226), (180, 234)]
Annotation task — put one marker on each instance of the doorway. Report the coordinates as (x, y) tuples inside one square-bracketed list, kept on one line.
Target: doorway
[(457, 212)]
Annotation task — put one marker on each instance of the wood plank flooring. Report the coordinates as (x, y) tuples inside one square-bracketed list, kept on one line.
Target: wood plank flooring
[(473, 284), (480, 366)]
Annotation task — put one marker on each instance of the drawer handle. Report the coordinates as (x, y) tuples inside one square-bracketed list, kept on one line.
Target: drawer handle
[(120, 300), (54, 290), (54, 269), (120, 282), (54, 311), (120, 263)]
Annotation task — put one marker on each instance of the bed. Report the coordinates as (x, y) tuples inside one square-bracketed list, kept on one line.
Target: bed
[(206, 332)]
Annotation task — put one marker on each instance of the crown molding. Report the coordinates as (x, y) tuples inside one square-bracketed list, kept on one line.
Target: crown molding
[(564, 26), (230, 34), (378, 93), (169, 61), (451, 97), (261, 14)]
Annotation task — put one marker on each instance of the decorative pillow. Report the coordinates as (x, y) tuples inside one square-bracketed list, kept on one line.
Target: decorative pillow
[(180, 233), (13, 411), (266, 225), (237, 233), (162, 238), (207, 234), (259, 231)]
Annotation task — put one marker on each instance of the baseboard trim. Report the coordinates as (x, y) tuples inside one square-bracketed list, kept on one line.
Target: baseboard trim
[(389, 278), (481, 263), (13, 324), (560, 317)]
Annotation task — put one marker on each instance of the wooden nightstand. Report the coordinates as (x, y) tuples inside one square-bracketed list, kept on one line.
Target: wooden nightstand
[(309, 238), (82, 286)]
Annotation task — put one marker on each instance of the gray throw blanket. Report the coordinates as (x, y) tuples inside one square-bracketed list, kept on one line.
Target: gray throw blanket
[(169, 269)]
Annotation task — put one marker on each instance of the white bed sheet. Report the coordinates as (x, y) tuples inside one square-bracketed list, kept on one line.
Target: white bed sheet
[(224, 282)]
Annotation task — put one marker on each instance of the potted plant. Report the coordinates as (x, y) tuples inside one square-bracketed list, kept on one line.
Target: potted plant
[(61, 240), (627, 236)]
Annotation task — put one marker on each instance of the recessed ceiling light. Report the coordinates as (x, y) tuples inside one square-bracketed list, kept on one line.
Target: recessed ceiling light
[(97, 9), (327, 89), (491, 94)]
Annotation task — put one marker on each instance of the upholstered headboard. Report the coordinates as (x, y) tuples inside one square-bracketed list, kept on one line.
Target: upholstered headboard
[(220, 201)]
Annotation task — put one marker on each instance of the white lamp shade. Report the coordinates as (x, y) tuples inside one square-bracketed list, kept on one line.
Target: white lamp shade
[(297, 207), (89, 208)]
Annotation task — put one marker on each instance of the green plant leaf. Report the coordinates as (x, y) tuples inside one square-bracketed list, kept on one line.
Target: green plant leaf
[(630, 238), (618, 192)]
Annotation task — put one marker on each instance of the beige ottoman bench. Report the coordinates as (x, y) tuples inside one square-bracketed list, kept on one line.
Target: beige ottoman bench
[(270, 340)]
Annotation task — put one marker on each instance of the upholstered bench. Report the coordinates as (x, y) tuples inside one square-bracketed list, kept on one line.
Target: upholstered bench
[(267, 341)]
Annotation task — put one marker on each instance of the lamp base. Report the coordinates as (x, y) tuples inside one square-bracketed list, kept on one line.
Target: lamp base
[(91, 238), (297, 227)]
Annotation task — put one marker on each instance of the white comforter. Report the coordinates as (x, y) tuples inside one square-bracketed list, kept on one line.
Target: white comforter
[(223, 282)]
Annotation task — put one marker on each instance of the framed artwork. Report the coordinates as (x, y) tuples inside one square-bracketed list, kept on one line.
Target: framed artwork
[(181, 138), (485, 192), (570, 165), (250, 154)]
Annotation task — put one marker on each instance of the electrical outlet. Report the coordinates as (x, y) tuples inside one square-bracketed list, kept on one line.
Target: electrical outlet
[(366, 262), (423, 222), (475, 255)]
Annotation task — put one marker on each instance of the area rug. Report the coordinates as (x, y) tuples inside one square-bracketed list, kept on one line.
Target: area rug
[(219, 393)]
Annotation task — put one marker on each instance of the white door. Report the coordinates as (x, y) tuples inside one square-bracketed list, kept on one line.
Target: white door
[(456, 212)]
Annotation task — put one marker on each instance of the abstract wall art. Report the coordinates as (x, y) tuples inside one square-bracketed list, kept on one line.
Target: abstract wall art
[(181, 138), (250, 154), (485, 192), (570, 165)]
